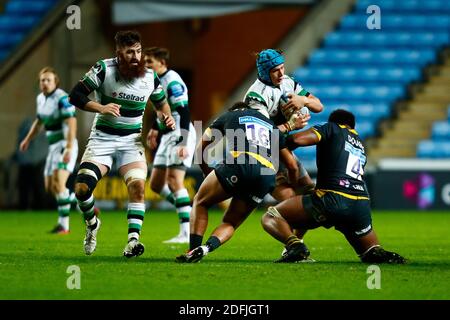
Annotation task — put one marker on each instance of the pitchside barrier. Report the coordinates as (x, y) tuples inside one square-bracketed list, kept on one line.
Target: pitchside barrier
[(410, 184)]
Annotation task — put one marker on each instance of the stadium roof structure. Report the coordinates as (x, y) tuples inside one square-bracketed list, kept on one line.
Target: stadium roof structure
[(127, 12)]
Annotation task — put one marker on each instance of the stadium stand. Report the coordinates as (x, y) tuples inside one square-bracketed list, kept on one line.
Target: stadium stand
[(439, 144), (18, 19), (368, 71)]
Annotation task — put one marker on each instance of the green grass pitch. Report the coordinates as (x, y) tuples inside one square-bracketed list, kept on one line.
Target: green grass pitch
[(33, 263)]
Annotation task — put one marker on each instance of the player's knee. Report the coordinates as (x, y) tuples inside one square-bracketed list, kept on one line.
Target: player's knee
[(82, 191), (199, 200), (136, 190), (156, 185), (268, 217), (86, 180), (135, 181)]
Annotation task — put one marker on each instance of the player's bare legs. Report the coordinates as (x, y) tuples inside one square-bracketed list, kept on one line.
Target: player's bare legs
[(210, 192), (134, 175), (56, 185), (234, 216), (279, 221), (88, 175), (369, 249), (182, 202)]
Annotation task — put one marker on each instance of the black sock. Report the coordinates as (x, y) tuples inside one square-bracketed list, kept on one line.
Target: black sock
[(213, 243), (195, 241)]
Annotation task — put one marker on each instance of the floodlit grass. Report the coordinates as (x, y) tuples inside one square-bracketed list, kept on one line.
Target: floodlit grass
[(33, 263)]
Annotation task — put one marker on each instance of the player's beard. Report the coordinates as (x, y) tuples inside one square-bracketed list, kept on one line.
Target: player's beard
[(128, 71)]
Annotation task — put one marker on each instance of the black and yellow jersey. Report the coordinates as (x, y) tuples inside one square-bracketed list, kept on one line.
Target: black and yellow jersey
[(340, 159), (248, 132)]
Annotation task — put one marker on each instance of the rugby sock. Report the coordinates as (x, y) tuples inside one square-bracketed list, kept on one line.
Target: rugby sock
[(212, 243), (87, 207), (195, 241), (292, 240), (72, 198), (135, 218), (63, 200), (183, 205), (167, 194)]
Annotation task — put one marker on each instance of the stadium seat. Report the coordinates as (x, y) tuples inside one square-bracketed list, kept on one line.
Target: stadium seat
[(369, 93), (9, 40), (405, 6), (24, 7), (399, 22), (376, 57), (355, 75), (441, 131), (433, 149), (16, 24), (18, 19), (364, 39)]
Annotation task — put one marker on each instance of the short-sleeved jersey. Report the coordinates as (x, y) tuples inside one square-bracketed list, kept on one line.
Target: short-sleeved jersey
[(266, 98), (176, 92), (131, 95), (340, 160), (248, 131), (52, 110)]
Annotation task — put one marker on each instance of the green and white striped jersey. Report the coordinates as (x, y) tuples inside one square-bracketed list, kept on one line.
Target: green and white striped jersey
[(176, 93), (266, 98), (132, 96), (52, 110)]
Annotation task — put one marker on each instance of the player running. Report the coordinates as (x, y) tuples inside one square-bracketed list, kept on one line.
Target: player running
[(175, 151), (123, 87), (57, 116)]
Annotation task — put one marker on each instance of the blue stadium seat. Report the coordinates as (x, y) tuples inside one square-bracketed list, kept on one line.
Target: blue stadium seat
[(338, 74), (363, 39), (405, 6), (24, 7), (351, 57), (346, 93), (306, 153), (433, 149), (16, 24), (399, 22), (10, 40), (441, 131)]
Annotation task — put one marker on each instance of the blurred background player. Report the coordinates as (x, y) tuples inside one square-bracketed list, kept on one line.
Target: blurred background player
[(175, 151), (268, 94), (246, 175), (57, 116), (341, 198), (123, 87)]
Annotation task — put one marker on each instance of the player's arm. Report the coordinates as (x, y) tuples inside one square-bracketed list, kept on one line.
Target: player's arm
[(32, 133), (291, 164), (91, 82), (71, 136), (311, 102), (205, 141), (302, 97), (306, 138), (148, 124)]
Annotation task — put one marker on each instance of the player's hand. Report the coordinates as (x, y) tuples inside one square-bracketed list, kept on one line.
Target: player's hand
[(169, 121), (66, 155), (24, 145), (112, 109), (296, 101), (182, 152), (152, 139), (298, 121)]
